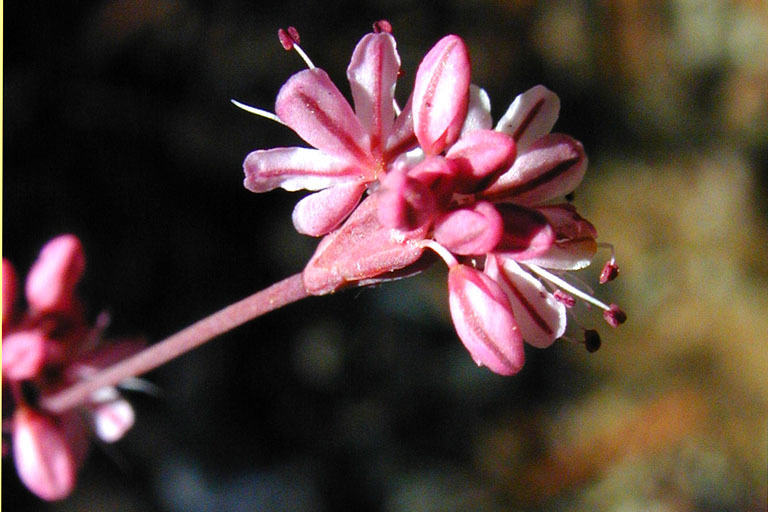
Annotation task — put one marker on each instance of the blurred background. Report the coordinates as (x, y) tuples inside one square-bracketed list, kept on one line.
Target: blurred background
[(118, 127)]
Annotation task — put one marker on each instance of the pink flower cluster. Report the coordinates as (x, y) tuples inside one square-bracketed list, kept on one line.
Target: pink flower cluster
[(390, 183), (47, 347)]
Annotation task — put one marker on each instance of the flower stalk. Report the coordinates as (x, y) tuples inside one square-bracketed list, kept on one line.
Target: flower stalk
[(284, 292)]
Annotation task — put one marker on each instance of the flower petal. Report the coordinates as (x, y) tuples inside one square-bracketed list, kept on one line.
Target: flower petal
[(552, 167), (43, 457), (295, 169), (51, 282), (314, 108), (359, 250), (526, 232), (372, 74), (441, 94), (480, 156), (530, 116), (321, 212), (484, 321), (478, 111), (541, 317), (475, 230)]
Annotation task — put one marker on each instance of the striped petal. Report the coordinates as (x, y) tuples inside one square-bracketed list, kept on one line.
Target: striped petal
[(530, 116), (295, 169), (441, 94), (313, 107), (541, 317), (372, 74), (484, 320), (552, 167)]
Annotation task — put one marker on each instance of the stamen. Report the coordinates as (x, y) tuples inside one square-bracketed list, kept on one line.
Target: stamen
[(382, 26), (257, 111), (610, 269), (549, 276), (290, 40), (441, 251), (614, 316), (591, 340)]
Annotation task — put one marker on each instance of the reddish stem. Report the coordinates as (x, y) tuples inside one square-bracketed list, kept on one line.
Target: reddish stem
[(276, 296)]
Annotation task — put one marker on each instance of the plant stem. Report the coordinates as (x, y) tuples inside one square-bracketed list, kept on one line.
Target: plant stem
[(276, 296)]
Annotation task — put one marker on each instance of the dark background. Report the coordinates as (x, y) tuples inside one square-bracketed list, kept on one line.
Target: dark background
[(117, 127)]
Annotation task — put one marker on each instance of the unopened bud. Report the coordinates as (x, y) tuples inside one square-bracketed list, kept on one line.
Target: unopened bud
[(614, 316)]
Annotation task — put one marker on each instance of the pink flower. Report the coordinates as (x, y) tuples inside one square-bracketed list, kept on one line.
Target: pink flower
[(45, 348), (487, 200)]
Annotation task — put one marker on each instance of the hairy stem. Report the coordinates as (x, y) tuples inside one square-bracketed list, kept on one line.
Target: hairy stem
[(276, 296)]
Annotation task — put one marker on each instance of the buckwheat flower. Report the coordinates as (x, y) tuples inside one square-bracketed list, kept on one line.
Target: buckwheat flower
[(488, 200), (47, 347)]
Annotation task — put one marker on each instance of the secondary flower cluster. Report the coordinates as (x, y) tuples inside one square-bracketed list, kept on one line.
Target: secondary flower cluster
[(47, 347), (488, 200)]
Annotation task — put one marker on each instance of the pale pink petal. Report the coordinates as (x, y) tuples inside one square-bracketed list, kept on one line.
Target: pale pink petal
[(24, 354), (404, 203), (475, 230), (314, 108), (575, 243), (480, 156), (297, 168), (51, 282), (552, 167), (484, 321), (43, 457), (530, 116), (526, 232), (321, 212), (478, 111), (372, 74), (540, 316), (361, 249), (10, 284), (441, 94), (112, 418)]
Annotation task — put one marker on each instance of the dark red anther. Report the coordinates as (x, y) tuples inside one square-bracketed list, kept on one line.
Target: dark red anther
[(610, 272), (592, 340), (382, 26), (288, 37), (615, 316)]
